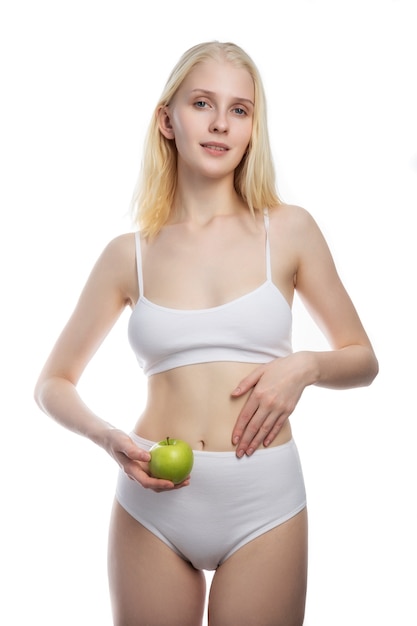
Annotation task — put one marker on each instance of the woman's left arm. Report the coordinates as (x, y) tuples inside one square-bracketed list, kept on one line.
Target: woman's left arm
[(276, 387)]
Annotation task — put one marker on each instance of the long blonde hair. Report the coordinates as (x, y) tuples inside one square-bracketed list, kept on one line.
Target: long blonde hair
[(254, 177)]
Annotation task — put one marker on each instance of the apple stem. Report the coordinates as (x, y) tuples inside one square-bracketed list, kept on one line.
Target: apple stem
[(167, 441)]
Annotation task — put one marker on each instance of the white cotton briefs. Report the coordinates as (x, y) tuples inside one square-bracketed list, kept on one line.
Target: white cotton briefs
[(228, 503)]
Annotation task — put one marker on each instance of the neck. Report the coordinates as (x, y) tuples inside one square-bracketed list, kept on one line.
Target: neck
[(200, 201)]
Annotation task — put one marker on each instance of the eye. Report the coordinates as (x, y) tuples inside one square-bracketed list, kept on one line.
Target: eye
[(200, 104), (239, 111)]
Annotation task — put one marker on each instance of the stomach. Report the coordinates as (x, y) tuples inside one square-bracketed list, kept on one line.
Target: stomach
[(194, 403)]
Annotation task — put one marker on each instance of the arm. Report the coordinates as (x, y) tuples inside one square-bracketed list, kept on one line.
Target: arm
[(277, 386), (107, 291)]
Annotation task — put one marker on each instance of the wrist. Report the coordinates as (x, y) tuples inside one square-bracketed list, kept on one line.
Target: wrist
[(309, 367), (99, 432)]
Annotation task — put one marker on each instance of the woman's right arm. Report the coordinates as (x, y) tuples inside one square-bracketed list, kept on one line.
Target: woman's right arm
[(107, 292)]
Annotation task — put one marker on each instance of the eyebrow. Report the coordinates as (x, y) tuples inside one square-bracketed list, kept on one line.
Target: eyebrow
[(212, 93)]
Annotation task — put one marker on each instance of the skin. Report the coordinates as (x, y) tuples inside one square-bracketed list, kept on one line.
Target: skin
[(233, 406)]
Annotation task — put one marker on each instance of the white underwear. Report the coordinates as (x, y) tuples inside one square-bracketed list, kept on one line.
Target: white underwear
[(228, 503)]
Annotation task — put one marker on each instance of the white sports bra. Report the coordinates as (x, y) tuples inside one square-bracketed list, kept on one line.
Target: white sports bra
[(254, 328)]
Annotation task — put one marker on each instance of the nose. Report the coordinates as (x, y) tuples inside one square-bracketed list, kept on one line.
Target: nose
[(219, 123)]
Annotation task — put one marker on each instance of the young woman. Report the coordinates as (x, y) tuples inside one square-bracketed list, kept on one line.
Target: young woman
[(210, 276)]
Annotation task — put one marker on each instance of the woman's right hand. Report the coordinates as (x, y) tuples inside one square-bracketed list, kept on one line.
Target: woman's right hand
[(134, 461)]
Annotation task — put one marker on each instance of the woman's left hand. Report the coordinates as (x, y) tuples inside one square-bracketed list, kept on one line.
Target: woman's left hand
[(274, 391)]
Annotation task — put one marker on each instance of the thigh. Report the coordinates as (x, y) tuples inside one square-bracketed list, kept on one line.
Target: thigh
[(264, 583), (149, 583)]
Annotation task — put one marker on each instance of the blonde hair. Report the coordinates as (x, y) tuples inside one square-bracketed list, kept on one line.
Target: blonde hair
[(254, 177)]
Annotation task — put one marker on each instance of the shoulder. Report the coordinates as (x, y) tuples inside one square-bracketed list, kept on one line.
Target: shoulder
[(291, 216), (120, 247), (117, 254), (116, 264), (293, 223), (296, 233)]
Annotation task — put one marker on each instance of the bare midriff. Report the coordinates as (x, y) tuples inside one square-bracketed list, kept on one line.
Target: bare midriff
[(194, 403)]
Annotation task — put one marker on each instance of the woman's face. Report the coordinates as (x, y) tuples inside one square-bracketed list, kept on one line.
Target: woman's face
[(211, 119)]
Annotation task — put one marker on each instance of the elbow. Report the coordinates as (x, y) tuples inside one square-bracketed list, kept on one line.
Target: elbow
[(38, 394), (44, 391), (375, 370), (49, 391), (372, 369)]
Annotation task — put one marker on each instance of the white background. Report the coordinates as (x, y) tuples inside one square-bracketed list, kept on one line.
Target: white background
[(79, 80)]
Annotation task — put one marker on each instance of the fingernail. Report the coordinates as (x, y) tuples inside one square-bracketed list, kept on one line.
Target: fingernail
[(236, 440), (250, 451), (239, 454)]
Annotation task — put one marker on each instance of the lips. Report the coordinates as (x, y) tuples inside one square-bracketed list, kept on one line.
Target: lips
[(218, 147)]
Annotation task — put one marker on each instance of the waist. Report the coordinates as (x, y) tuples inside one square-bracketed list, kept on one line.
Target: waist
[(227, 455), (194, 403)]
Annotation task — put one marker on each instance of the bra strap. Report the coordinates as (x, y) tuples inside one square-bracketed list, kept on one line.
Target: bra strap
[(267, 246), (139, 263)]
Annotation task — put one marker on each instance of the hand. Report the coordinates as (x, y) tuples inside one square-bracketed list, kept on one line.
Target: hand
[(274, 391), (134, 462)]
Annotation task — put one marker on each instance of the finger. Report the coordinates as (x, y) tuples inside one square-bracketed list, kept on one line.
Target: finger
[(274, 431), (260, 433), (248, 382), (265, 435), (157, 484), (160, 485), (133, 452), (245, 416), (254, 433), (141, 476)]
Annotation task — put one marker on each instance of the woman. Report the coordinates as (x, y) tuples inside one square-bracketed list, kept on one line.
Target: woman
[(210, 277)]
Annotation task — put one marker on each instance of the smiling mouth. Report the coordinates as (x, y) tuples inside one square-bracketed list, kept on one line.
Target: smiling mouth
[(214, 146)]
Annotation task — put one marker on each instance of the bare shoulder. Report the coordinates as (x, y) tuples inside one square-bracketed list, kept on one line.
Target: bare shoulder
[(115, 268), (118, 255), (120, 248), (294, 227), (292, 217)]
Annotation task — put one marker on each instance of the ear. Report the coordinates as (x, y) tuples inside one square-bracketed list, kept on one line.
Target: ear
[(164, 122)]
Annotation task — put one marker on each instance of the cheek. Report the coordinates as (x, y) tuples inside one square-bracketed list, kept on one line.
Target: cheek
[(246, 139), (182, 123), (183, 132), (249, 133), (246, 133)]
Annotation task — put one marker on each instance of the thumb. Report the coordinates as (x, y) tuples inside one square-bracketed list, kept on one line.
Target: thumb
[(133, 452)]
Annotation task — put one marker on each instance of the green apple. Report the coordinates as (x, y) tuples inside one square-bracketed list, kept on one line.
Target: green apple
[(171, 459)]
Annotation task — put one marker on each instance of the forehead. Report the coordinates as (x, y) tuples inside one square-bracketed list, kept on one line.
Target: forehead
[(220, 77)]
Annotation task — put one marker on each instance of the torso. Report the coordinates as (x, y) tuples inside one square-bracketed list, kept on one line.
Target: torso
[(194, 402)]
